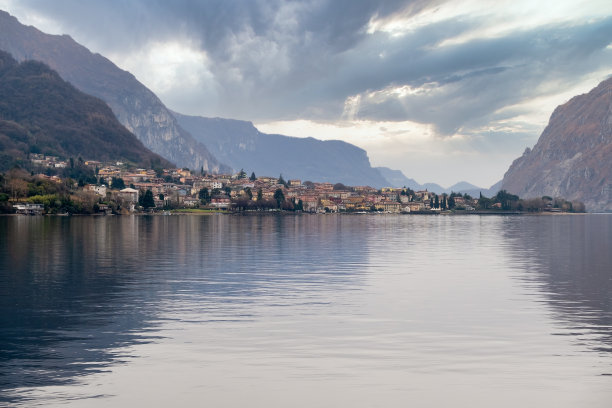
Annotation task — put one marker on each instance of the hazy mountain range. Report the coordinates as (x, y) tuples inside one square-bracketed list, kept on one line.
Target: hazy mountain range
[(241, 145), (397, 179), (237, 144)]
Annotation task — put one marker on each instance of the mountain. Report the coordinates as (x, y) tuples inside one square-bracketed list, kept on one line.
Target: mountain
[(434, 188), (42, 113), (397, 179), (475, 191), (136, 107), (463, 186), (242, 146), (573, 156)]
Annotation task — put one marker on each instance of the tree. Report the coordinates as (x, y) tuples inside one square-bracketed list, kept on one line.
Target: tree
[(18, 187), (436, 202), (141, 194), (118, 183), (253, 178), (242, 203), (259, 195), (204, 196), (578, 206), (242, 174), (451, 202), (147, 200), (484, 202), (249, 193), (282, 181), (506, 199), (279, 196)]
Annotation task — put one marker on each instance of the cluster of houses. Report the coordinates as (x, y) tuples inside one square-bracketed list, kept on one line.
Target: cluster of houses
[(48, 161), (121, 187), (183, 188)]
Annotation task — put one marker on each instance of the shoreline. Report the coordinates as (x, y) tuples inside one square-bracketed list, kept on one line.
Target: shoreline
[(289, 213)]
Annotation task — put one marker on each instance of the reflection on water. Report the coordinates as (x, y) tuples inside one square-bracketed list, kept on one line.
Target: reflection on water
[(569, 259), (306, 310), (65, 298), (74, 292)]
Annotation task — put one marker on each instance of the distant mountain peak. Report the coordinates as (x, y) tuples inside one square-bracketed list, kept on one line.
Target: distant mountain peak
[(397, 179)]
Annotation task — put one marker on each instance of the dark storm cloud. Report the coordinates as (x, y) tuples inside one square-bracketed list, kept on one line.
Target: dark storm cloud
[(301, 59), (125, 24), (472, 80)]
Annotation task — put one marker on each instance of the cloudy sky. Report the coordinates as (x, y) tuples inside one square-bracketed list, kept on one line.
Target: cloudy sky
[(443, 90)]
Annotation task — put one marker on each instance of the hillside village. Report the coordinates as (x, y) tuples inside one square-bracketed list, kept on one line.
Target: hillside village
[(117, 188)]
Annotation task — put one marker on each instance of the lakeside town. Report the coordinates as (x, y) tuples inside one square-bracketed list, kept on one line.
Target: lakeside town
[(77, 186)]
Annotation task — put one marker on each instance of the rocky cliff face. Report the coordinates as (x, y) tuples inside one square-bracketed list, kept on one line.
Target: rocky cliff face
[(136, 107), (241, 145), (573, 157)]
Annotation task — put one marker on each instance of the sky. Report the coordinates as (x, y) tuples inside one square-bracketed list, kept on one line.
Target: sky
[(445, 91)]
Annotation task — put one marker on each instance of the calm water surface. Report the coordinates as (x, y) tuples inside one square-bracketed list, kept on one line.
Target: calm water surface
[(306, 311)]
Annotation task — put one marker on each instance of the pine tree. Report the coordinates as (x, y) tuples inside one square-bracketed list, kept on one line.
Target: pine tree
[(204, 196), (118, 183), (279, 196), (147, 200)]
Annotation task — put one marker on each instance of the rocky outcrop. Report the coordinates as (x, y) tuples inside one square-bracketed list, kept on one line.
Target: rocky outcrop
[(136, 107), (573, 156), (242, 146)]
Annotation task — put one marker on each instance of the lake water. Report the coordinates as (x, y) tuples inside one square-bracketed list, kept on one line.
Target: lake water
[(306, 311)]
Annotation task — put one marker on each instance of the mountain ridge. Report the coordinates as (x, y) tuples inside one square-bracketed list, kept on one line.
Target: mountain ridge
[(134, 105), (241, 145), (40, 112), (573, 156), (397, 179), (161, 130)]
